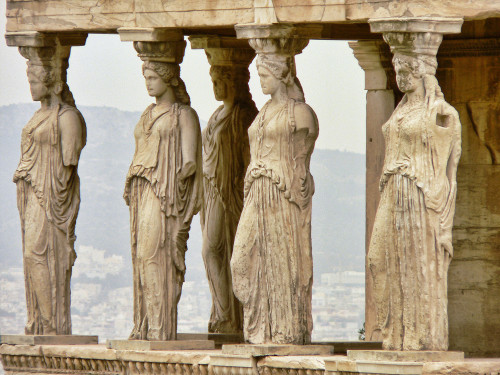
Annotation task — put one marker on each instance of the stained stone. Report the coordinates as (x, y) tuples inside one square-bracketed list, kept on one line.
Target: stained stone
[(48, 340), (218, 338), (160, 345), (404, 356), (263, 350), (341, 347)]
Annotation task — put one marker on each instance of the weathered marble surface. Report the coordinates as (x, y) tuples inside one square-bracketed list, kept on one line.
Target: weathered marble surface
[(226, 156), (411, 243), (96, 359), (48, 339), (163, 190), (67, 15), (272, 257), (48, 188)]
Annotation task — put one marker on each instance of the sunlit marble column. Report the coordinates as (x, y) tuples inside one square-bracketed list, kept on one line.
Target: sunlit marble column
[(411, 242), (226, 156), (272, 265), (48, 186), (374, 57), (163, 187)]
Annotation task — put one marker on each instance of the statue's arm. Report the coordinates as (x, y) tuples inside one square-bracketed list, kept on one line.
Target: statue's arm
[(71, 128), (190, 137), (306, 119)]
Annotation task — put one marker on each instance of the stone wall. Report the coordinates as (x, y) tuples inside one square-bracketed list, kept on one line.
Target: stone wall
[(469, 74)]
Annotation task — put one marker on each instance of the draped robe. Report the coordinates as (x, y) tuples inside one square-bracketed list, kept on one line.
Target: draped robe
[(162, 206), (48, 199), (225, 159), (410, 248), (272, 257)]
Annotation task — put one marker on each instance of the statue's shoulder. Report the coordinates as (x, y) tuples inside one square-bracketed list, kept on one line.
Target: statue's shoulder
[(186, 111), (305, 117), (69, 114)]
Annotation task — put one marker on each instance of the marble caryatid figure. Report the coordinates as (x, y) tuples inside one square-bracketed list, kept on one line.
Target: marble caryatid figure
[(225, 159), (411, 247), (48, 191), (163, 191), (272, 257)]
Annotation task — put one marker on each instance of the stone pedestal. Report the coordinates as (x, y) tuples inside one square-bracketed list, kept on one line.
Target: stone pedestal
[(404, 356), (48, 340), (160, 345), (341, 347), (389, 362), (271, 349), (218, 338)]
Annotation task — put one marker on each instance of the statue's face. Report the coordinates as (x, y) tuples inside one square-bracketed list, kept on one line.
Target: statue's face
[(407, 81), (154, 84), (39, 90), (269, 83), (220, 88)]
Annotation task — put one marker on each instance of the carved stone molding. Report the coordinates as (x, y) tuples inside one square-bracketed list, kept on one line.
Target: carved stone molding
[(469, 47), (162, 45), (374, 58), (280, 39), (37, 39), (224, 51), (416, 36)]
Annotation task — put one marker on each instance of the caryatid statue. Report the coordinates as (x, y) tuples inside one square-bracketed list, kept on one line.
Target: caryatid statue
[(411, 244), (272, 265), (163, 190), (225, 159), (48, 190)]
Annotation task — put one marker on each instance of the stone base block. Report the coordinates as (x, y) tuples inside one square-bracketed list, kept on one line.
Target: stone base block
[(219, 338), (48, 340), (404, 356), (160, 345), (343, 366), (275, 349), (221, 364)]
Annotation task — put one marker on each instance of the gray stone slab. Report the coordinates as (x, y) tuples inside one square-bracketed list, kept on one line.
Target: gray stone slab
[(48, 340), (341, 347), (218, 338), (275, 349), (404, 356), (160, 345)]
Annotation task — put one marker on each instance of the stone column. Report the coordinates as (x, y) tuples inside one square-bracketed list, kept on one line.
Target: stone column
[(411, 242), (375, 59), (48, 192), (225, 161), (163, 186), (276, 290)]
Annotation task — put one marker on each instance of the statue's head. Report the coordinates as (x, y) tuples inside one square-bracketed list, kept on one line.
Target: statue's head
[(231, 83), (160, 76), (278, 72), (46, 83), (412, 70)]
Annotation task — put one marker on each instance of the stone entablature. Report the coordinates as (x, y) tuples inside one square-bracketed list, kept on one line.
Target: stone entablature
[(107, 16)]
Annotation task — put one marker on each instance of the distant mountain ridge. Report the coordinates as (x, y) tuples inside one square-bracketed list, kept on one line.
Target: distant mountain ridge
[(103, 222)]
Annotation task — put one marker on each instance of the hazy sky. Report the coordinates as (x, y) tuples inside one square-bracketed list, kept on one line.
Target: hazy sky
[(107, 72)]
